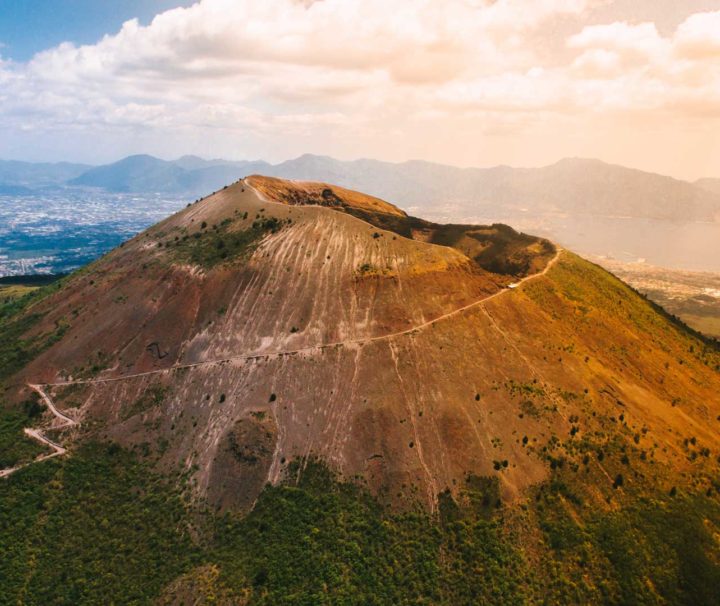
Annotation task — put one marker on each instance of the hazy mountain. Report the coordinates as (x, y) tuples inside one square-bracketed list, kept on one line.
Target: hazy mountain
[(196, 162), (590, 206), (310, 402), (142, 173), (35, 175), (14, 190), (573, 186), (135, 173), (709, 184)]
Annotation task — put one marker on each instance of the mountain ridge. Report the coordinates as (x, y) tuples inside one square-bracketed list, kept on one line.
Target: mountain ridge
[(578, 186)]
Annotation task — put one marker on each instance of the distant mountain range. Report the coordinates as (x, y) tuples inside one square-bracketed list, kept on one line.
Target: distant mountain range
[(571, 186), (188, 174), (34, 175)]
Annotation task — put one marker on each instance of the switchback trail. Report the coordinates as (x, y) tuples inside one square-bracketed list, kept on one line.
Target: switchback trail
[(36, 434)]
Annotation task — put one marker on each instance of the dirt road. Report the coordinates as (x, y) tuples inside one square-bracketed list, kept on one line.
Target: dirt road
[(67, 421), (311, 348)]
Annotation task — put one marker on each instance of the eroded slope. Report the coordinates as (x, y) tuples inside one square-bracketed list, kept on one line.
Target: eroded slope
[(242, 335)]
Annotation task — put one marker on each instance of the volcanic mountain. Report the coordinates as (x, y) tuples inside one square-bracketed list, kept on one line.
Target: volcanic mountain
[(279, 324)]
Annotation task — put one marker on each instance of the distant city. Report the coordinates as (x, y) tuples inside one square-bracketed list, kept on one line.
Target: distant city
[(61, 230)]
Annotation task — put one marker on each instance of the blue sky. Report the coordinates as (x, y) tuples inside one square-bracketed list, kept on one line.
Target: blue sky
[(29, 26)]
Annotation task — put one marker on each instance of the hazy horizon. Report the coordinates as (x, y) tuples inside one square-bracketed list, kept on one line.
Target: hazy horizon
[(171, 158)]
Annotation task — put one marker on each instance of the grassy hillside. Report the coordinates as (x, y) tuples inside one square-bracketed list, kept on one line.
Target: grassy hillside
[(18, 318)]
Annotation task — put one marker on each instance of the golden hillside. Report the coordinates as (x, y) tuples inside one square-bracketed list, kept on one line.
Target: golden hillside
[(395, 360)]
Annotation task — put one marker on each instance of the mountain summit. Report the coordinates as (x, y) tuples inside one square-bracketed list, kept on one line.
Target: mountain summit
[(447, 370), (268, 281)]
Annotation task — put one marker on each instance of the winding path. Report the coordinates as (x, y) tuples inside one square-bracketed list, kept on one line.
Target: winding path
[(311, 348), (36, 434), (67, 421)]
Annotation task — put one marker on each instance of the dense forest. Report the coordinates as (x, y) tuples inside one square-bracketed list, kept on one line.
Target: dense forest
[(102, 527)]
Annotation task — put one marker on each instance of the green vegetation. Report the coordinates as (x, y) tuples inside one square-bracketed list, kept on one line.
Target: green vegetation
[(16, 349), (94, 528), (95, 364), (14, 288), (15, 448), (653, 550), (326, 542), (220, 244), (151, 397), (11, 293), (366, 269), (101, 523), (31, 280)]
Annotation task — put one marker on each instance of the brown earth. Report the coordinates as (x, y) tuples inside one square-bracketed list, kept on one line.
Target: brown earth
[(301, 344)]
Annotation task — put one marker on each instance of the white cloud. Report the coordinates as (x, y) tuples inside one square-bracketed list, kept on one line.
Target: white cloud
[(641, 40), (643, 70), (357, 69), (698, 38), (279, 57)]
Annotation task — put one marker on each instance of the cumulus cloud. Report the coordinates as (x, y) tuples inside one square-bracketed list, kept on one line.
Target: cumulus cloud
[(644, 70), (698, 37), (278, 57), (275, 69)]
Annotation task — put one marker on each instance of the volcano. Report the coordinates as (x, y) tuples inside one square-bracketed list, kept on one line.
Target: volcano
[(276, 326)]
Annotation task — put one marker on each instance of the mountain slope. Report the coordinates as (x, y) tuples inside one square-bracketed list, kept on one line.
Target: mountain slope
[(169, 298), (276, 329)]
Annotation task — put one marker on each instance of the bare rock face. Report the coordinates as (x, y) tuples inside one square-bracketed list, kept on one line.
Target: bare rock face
[(274, 321)]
